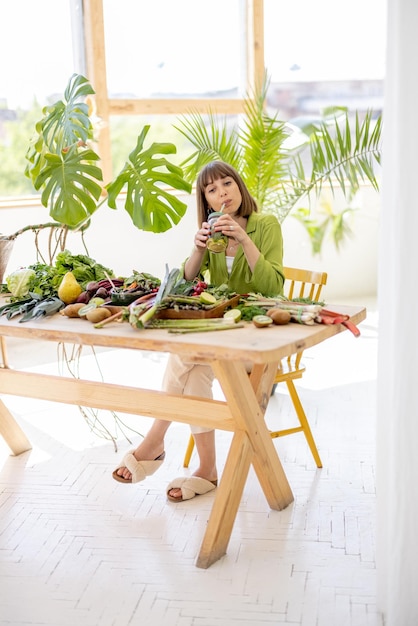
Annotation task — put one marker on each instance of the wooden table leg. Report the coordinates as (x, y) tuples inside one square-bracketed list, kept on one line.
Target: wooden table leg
[(227, 500), (262, 378), (3, 350), (246, 410), (251, 443), (11, 432)]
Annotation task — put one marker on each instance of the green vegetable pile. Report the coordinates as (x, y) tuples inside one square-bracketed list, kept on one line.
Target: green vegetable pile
[(44, 280), (196, 286), (248, 311), (84, 268)]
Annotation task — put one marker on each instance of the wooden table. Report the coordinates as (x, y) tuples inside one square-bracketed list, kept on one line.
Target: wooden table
[(242, 412)]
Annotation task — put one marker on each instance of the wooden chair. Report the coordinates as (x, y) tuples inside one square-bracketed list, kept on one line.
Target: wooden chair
[(299, 283)]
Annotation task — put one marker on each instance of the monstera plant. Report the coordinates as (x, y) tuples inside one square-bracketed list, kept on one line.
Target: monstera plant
[(63, 165), (284, 162)]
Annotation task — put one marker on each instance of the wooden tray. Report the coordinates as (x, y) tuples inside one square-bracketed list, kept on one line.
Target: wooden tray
[(188, 314)]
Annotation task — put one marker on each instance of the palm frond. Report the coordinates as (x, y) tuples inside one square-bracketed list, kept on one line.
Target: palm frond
[(263, 160), (334, 156), (212, 141), (341, 157), (338, 154), (254, 147)]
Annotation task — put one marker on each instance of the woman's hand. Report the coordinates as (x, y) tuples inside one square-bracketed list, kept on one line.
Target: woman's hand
[(201, 237), (229, 227), (193, 263)]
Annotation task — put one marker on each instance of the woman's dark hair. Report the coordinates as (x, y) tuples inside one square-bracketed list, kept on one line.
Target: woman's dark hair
[(215, 171)]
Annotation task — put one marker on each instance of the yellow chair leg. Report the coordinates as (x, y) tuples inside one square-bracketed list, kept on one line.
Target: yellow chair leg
[(304, 427), (303, 422), (189, 451)]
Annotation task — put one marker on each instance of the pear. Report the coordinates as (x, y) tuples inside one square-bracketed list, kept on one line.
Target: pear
[(69, 289)]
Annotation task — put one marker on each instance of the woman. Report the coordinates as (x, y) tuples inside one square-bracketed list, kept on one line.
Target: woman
[(252, 262)]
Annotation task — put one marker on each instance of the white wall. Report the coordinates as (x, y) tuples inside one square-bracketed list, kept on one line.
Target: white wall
[(352, 270), (113, 241)]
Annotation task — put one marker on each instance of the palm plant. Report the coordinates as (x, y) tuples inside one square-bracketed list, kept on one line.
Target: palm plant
[(270, 154)]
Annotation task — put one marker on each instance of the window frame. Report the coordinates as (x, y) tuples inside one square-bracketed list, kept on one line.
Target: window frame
[(94, 38)]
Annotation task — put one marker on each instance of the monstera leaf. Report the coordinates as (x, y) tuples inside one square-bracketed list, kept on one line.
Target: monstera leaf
[(64, 124), (68, 121), (59, 160), (148, 176), (70, 186)]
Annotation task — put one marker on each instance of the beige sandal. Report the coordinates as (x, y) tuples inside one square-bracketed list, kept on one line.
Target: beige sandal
[(190, 486), (139, 469)]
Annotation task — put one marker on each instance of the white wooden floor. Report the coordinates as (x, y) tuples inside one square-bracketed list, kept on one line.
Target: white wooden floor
[(79, 549)]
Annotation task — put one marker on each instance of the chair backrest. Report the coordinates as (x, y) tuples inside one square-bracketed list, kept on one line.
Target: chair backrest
[(302, 283)]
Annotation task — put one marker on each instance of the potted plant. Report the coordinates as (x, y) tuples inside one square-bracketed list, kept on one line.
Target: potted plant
[(63, 165), (273, 156)]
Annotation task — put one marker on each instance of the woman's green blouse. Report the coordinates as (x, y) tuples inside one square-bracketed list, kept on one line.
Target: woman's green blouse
[(267, 278)]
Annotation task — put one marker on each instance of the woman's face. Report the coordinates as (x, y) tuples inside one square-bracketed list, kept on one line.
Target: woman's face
[(223, 191)]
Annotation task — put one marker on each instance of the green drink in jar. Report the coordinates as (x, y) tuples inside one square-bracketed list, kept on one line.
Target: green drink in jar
[(217, 242)]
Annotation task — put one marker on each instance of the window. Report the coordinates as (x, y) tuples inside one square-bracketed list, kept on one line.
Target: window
[(196, 50), (200, 55), (150, 61), (37, 59), (318, 55)]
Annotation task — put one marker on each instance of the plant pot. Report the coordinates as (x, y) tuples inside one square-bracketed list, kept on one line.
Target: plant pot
[(6, 247)]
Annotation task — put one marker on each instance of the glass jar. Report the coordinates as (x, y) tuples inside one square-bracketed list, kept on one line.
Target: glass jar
[(217, 242)]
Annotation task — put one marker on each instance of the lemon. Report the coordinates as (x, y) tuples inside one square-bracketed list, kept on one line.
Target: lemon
[(207, 298), (234, 315)]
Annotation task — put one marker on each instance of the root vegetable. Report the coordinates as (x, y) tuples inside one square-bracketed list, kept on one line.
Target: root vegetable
[(112, 308), (92, 286), (98, 314), (102, 292), (84, 297), (279, 316), (71, 310)]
